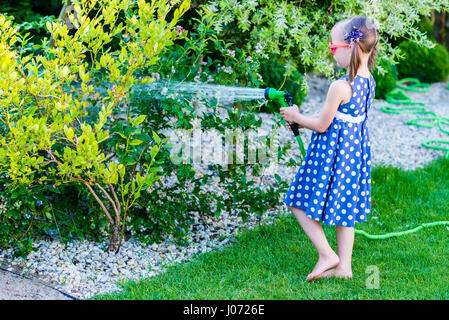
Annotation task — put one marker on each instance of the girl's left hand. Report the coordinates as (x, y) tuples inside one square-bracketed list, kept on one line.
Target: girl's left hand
[(289, 113)]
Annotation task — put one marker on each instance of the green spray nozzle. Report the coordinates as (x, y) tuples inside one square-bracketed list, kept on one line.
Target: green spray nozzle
[(285, 99), (279, 96)]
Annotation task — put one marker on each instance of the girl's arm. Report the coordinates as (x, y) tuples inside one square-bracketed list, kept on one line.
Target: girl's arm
[(310, 122), (321, 122), (313, 116)]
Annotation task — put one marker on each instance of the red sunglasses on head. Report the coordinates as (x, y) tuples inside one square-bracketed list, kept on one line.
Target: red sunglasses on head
[(334, 47)]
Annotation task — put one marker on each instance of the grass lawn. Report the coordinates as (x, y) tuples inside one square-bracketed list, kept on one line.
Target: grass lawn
[(272, 262)]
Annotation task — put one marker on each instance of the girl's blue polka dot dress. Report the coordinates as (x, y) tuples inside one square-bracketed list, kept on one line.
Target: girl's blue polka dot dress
[(333, 183)]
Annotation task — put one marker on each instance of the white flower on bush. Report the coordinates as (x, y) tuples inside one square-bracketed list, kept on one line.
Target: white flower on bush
[(173, 120), (3, 207), (156, 75), (259, 48), (226, 69), (231, 53)]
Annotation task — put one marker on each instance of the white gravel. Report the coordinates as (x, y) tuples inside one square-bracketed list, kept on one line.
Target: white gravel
[(84, 268)]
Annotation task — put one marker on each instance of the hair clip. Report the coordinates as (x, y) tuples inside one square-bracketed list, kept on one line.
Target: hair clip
[(354, 35)]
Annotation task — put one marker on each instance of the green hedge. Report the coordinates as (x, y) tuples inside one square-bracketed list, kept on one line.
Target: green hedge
[(428, 65), (387, 81)]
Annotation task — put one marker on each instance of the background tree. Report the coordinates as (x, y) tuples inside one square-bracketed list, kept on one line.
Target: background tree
[(441, 27)]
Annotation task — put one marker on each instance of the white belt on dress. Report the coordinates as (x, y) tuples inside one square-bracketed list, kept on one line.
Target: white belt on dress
[(347, 117)]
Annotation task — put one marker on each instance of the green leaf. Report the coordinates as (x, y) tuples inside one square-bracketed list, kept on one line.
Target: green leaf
[(156, 138), (135, 142), (277, 177), (122, 135), (130, 160), (133, 187), (31, 111), (138, 120), (121, 171), (69, 133), (139, 179), (126, 189), (142, 136), (154, 151)]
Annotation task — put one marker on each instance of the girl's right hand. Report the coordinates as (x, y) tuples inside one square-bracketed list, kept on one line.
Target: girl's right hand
[(290, 128)]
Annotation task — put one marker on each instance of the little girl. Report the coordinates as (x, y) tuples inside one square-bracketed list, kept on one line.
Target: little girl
[(333, 183)]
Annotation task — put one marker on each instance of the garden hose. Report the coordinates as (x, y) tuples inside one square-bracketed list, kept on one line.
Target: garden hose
[(401, 233), (397, 96), (412, 84)]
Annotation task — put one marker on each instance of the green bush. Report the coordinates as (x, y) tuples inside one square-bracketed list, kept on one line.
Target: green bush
[(50, 138), (298, 31), (428, 65), (30, 10), (65, 213), (386, 82), (31, 18)]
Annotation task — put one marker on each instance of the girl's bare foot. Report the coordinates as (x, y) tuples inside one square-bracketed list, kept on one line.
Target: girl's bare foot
[(342, 273), (336, 272), (327, 274), (324, 263)]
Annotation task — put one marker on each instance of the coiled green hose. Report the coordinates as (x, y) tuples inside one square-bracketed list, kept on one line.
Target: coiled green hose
[(397, 96)]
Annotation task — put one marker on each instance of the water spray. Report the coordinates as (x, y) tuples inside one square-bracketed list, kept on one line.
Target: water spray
[(219, 94)]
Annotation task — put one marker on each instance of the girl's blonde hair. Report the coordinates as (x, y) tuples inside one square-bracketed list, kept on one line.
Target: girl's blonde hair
[(367, 43)]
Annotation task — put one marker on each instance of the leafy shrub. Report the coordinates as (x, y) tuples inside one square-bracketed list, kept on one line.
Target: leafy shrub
[(30, 10), (33, 35), (428, 65), (31, 18), (385, 82), (49, 137), (64, 213), (298, 31)]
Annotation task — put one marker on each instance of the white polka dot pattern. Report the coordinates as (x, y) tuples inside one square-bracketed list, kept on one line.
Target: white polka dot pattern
[(333, 183)]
